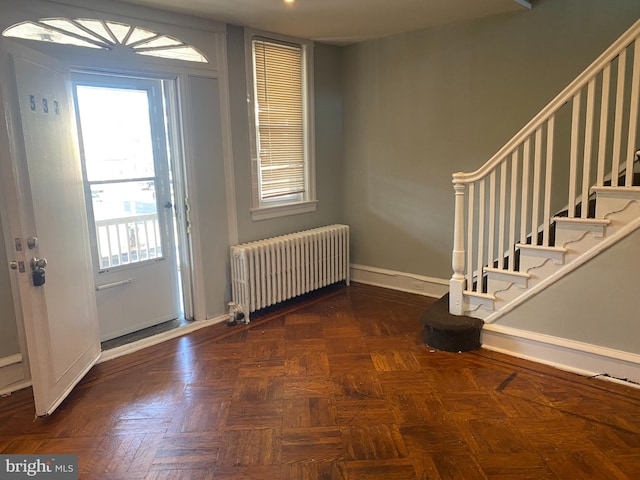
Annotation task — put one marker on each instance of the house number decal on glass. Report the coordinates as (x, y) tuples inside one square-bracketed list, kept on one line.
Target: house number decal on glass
[(32, 103), (45, 106)]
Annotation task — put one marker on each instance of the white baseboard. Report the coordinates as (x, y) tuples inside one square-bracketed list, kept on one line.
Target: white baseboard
[(14, 387), (404, 282), (569, 355), (159, 338), (10, 360), (12, 372)]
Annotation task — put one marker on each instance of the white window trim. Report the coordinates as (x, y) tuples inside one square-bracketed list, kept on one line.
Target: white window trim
[(265, 210)]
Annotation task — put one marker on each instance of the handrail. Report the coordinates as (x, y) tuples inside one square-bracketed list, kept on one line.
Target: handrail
[(561, 99)]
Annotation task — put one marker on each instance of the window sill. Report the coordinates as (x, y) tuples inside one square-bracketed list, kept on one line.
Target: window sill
[(265, 213)]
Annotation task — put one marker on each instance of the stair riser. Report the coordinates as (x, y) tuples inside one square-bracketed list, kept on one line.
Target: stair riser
[(531, 260), (566, 233), (494, 286), (610, 200)]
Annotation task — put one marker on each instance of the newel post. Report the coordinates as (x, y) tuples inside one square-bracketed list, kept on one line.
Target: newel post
[(457, 284)]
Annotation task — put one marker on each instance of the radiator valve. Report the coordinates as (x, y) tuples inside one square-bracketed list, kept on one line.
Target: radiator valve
[(236, 315)]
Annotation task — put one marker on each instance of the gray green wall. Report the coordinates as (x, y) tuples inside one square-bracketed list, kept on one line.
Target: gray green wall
[(211, 213), (328, 140), (423, 105)]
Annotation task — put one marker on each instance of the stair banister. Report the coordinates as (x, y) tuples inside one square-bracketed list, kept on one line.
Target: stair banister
[(475, 250)]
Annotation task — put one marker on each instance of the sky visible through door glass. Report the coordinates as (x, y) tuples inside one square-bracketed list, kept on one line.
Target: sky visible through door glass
[(116, 133)]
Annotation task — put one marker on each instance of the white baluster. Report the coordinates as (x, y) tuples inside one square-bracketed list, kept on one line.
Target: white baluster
[(491, 247), (604, 117), (535, 203), (573, 156), (633, 115), (470, 237), (617, 129), (588, 144), (502, 215), (480, 259), (547, 182), (524, 207), (512, 209)]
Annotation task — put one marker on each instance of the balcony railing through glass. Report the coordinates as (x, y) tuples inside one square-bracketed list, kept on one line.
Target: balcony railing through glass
[(127, 240)]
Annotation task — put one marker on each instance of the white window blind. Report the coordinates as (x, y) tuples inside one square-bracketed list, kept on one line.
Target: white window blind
[(278, 70)]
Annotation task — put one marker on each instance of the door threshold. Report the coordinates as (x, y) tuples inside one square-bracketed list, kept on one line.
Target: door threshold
[(155, 336), (144, 333)]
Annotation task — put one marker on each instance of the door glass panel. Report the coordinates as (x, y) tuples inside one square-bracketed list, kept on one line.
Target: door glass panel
[(116, 133), (120, 173)]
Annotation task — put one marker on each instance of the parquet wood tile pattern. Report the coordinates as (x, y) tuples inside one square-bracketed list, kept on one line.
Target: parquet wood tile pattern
[(337, 386)]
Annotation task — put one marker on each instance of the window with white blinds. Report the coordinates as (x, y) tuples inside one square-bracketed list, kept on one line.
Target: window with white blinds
[(281, 121)]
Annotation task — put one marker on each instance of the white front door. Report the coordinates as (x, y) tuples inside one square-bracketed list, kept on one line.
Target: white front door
[(60, 314), (126, 164)]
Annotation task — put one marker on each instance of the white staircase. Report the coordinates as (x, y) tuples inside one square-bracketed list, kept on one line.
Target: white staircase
[(509, 243), (576, 240)]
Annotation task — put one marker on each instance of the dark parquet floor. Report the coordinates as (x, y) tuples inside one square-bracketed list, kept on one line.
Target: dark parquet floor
[(336, 386)]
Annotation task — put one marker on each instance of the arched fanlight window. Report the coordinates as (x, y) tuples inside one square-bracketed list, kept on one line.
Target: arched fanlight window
[(105, 35)]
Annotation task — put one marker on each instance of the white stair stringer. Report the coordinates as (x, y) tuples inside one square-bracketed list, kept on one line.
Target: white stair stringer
[(626, 213), (550, 267), (614, 199), (578, 252), (535, 276), (477, 304), (532, 256), (541, 266), (571, 229), (499, 279)]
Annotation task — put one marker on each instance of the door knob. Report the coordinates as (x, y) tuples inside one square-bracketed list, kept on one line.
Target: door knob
[(38, 263)]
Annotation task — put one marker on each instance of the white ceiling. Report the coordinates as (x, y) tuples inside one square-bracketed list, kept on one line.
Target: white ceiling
[(338, 21)]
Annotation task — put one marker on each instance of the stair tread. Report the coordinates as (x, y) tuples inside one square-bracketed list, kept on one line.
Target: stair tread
[(486, 296), (501, 271), (619, 189), (587, 221), (541, 248)]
